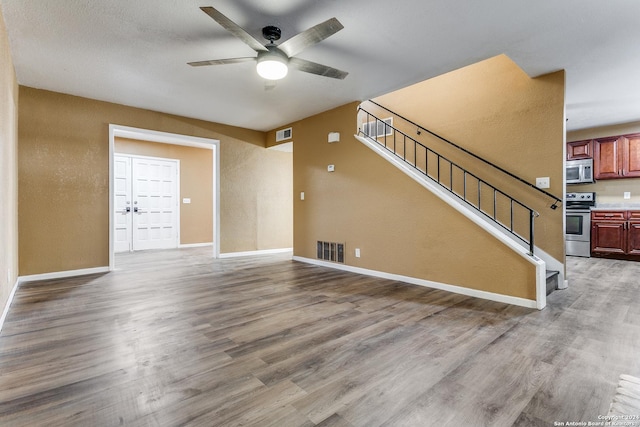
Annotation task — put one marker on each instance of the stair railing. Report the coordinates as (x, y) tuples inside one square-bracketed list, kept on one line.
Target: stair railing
[(555, 199), (468, 187)]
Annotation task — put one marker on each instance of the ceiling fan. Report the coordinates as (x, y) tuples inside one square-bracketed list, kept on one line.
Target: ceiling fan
[(273, 60)]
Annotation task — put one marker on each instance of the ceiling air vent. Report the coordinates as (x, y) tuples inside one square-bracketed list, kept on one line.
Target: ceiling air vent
[(283, 134), (378, 128)]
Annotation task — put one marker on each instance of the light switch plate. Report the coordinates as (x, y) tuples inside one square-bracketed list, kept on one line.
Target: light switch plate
[(302, 195), (542, 182), (331, 168)]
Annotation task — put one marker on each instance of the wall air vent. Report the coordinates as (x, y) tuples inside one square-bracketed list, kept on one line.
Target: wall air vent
[(330, 251), (377, 128), (284, 134)]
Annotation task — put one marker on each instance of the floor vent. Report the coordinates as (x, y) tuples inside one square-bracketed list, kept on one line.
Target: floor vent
[(330, 251)]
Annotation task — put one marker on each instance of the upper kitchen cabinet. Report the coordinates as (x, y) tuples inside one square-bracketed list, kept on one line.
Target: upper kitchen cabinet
[(606, 158), (632, 155), (617, 157), (579, 149)]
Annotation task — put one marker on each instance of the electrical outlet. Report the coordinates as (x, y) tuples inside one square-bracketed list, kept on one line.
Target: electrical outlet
[(331, 168), (357, 252), (542, 182), (627, 194)]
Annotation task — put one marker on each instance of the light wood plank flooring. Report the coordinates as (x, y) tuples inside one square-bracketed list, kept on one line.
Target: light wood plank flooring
[(175, 338)]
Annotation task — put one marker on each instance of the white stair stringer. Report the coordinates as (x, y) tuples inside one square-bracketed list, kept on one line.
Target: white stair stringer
[(477, 217)]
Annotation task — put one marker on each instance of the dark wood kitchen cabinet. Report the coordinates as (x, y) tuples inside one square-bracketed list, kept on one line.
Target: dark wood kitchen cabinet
[(615, 234), (617, 157), (633, 244), (608, 232), (632, 156), (580, 149), (606, 158)]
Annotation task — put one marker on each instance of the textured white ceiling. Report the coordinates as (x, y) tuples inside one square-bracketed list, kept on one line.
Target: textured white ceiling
[(136, 52)]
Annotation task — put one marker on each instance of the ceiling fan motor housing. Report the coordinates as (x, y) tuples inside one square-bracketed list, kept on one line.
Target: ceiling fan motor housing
[(271, 33)]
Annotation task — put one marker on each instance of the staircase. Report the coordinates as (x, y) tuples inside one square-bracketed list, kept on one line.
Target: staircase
[(497, 206), (552, 281), (482, 202)]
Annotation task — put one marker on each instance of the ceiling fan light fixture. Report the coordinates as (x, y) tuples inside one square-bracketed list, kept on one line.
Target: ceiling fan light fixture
[(272, 66), (273, 60)]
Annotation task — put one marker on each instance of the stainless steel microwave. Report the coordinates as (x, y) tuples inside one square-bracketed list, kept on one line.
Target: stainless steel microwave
[(579, 171)]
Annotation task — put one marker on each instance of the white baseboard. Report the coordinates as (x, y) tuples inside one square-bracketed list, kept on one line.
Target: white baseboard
[(63, 274), (5, 311), (252, 253), (522, 302), (195, 245)]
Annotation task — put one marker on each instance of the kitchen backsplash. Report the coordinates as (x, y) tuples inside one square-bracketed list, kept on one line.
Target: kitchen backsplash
[(611, 191)]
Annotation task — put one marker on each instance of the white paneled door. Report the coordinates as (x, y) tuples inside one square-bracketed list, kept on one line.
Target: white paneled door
[(148, 218)]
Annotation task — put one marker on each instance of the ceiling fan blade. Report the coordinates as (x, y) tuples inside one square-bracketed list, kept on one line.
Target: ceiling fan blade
[(234, 28), (313, 35), (221, 61), (319, 69)]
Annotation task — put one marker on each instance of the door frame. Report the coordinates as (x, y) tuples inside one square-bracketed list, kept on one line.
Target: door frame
[(173, 139)]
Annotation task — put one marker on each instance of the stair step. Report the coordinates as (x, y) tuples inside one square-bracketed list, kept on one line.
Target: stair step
[(552, 280)]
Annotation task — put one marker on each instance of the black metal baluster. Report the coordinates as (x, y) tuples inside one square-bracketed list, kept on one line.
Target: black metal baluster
[(426, 160), (464, 185), (384, 129), (531, 218), (394, 141), (404, 150), (511, 202), (451, 176)]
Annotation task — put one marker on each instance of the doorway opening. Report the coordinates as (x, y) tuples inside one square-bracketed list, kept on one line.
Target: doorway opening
[(117, 166)]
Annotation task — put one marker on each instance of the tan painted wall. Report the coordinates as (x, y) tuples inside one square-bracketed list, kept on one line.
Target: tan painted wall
[(496, 111), (196, 183), (63, 180), (402, 228), (609, 190), (8, 169)]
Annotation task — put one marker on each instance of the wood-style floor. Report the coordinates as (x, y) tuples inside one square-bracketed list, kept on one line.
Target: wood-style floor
[(175, 338)]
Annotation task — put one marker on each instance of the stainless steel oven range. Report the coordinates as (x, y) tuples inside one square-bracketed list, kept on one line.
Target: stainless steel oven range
[(578, 223)]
